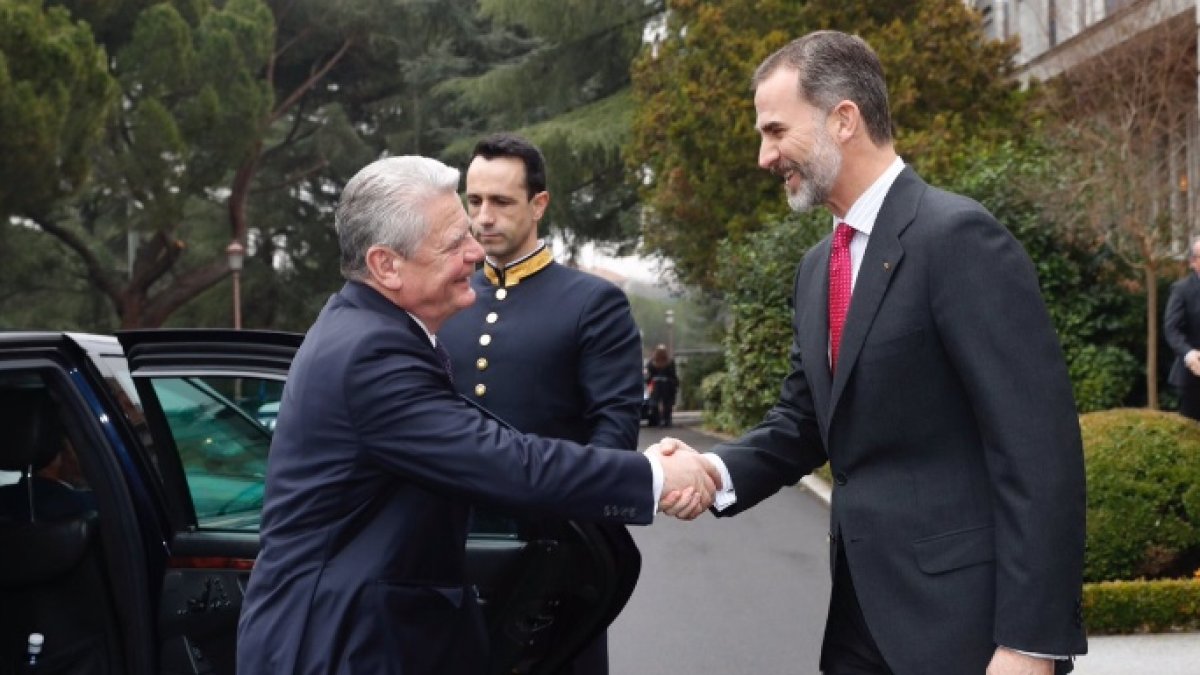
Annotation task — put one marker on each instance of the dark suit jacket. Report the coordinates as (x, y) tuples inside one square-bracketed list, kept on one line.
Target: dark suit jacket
[(374, 465), (1181, 325), (951, 432), (564, 358)]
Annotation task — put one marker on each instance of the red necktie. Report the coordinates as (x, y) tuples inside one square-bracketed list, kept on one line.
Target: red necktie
[(839, 288)]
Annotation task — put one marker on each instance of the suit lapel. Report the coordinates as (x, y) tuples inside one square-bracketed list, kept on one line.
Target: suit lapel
[(814, 334), (880, 262)]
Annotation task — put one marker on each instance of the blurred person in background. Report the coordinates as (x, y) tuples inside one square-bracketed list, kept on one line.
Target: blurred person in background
[(663, 382)]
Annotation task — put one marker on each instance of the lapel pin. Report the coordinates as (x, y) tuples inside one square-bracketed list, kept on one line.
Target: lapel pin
[(887, 266)]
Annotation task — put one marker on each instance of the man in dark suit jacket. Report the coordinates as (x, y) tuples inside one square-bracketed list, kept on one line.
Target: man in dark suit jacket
[(944, 410), (1181, 327), (376, 460), (552, 350)]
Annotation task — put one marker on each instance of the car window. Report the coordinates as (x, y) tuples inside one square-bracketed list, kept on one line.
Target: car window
[(223, 442)]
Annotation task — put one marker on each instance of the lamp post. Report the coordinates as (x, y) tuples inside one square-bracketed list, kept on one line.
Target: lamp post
[(670, 317), (236, 254)]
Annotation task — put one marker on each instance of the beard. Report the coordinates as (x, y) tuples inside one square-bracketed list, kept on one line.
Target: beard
[(817, 172)]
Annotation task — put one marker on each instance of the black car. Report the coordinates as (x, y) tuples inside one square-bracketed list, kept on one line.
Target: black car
[(131, 485)]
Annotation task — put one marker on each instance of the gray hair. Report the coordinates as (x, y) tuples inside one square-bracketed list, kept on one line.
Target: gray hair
[(832, 67), (384, 204)]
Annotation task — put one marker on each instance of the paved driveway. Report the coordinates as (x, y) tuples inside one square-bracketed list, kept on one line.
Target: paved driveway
[(735, 595)]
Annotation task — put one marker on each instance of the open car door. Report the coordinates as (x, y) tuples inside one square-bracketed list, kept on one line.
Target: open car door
[(210, 399)]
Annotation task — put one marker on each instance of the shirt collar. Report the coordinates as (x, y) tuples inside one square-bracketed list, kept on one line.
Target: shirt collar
[(431, 336), (865, 209)]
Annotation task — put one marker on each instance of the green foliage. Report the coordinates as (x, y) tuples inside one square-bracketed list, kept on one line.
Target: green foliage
[(759, 270), (234, 121), (1097, 317), (55, 93), (1122, 607), (712, 389), (1143, 476), (1101, 376), (194, 103), (563, 81), (694, 370), (693, 133), (29, 294)]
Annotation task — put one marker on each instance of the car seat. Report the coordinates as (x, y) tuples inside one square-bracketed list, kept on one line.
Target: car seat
[(50, 575)]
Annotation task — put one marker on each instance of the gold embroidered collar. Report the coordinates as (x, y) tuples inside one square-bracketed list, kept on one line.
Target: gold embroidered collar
[(514, 273)]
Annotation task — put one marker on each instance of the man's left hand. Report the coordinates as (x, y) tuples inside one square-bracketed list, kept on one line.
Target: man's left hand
[(1008, 662)]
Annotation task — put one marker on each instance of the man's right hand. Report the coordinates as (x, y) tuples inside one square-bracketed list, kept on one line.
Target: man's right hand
[(689, 482), (1192, 361)]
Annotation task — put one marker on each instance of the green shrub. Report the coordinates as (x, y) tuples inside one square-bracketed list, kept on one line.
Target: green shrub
[(757, 278), (1143, 473), (1101, 376), (1099, 320), (692, 373), (1115, 607)]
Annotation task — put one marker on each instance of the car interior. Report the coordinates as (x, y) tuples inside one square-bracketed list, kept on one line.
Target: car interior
[(52, 574)]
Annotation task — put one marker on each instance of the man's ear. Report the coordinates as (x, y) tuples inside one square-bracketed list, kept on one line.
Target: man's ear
[(385, 267), (540, 201), (848, 120)]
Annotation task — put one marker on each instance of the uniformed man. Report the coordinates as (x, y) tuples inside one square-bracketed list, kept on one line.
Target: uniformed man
[(549, 349)]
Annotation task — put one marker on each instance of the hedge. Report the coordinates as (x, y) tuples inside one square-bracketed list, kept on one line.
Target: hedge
[(1143, 492), (1122, 607)]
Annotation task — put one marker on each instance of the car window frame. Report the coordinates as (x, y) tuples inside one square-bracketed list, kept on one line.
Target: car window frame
[(174, 473)]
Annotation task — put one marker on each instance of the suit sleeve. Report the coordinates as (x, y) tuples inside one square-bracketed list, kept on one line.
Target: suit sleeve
[(992, 321), (412, 423), (1175, 320), (781, 449), (610, 373)]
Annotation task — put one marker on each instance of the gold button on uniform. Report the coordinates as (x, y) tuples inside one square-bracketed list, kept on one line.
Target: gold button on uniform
[(485, 339), (480, 389), (501, 293), (491, 317), (481, 363)]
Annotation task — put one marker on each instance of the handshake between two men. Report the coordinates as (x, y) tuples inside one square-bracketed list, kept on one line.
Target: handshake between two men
[(690, 480)]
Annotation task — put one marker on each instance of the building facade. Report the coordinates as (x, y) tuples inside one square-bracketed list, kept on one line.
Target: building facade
[(1138, 40)]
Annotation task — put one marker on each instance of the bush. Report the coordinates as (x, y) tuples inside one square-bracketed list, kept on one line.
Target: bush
[(1143, 473), (757, 277), (1099, 321), (1141, 606), (1101, 376), (692, 373)]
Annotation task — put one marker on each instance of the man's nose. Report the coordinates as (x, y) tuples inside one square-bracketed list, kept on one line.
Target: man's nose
[(766, 154), (483, 215)]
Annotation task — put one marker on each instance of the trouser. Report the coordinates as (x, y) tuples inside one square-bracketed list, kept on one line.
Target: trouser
[(849, 648), (1189, 397)]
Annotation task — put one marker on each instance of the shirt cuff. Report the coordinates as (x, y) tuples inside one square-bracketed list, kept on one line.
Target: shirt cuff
[(725, 497), (1053, 657), (656, 477)]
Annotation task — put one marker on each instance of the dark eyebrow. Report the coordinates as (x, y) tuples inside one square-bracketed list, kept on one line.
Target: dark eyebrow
[(772, 127)]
